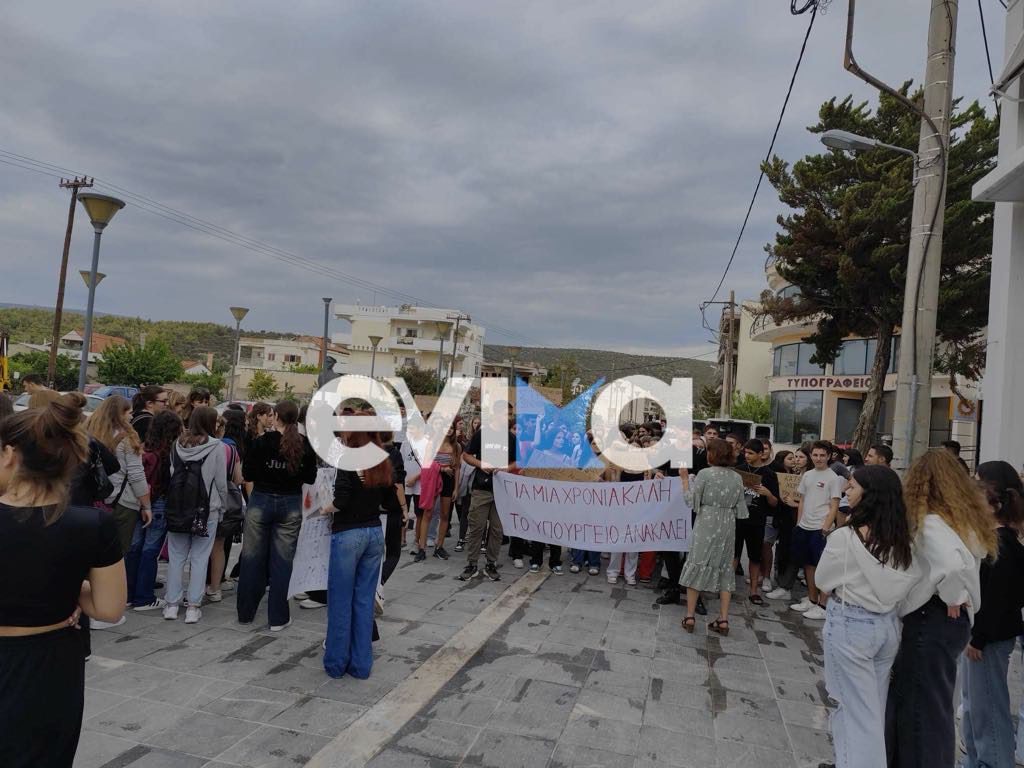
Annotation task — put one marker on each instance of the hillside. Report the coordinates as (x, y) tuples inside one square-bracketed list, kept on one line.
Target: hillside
[(189, 341), (594, 363)]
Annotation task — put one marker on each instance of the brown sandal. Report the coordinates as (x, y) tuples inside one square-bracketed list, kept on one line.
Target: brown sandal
[(689, 624), (720, 626)]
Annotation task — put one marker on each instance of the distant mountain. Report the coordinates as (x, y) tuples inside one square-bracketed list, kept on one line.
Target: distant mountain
[(595, 363)]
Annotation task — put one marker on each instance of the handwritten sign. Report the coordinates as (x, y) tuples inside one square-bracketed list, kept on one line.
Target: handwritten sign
[(643, 516), (789, 484), (750, 479), (313, 550)]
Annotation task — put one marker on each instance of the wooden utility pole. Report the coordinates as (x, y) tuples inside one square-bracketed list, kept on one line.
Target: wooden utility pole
[(458, 318), (74, 185), (727, 383)]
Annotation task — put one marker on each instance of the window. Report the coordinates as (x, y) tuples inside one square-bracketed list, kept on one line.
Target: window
[(271, 356), (858, 355), (293, 358), (793, 359), (796, 416), (789, 292), (411, 333), (409, 362)]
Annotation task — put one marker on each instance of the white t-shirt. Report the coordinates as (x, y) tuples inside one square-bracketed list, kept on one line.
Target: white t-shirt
[(818, 487)]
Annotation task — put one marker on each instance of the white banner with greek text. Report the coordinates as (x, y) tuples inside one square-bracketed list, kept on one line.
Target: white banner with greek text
[(642, 516)]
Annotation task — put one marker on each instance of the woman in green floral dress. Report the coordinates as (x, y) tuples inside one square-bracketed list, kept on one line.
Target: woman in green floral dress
[(716, 495)]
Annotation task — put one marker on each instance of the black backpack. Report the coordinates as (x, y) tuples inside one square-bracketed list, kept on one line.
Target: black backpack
[(188, 499)]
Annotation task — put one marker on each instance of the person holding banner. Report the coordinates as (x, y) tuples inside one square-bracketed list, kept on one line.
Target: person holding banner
[(716, 496)]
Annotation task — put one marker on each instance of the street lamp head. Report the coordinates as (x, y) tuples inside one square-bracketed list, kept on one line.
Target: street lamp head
[(100, 208), (375, 340), (836, 139), (328, 300), (239, 313), (85, 277)]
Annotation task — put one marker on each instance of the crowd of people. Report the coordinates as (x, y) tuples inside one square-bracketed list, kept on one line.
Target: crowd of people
[(919, 581)]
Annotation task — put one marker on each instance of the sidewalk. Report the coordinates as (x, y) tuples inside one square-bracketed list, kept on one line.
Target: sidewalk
[(583, 674)]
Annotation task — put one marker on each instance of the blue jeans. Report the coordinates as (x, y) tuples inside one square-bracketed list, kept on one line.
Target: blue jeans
[(351, 584), (987, 725), (140, 560), (860, 647), (269, 538), (581, 557)]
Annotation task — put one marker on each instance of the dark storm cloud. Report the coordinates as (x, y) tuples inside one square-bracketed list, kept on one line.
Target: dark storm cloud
[(575, 171)]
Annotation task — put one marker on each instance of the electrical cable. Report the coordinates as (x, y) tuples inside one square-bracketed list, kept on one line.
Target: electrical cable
[(988, 58)]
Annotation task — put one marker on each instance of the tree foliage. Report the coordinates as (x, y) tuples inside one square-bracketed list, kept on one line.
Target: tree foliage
[(263, 386), (66, 373), (708, 402), (420, 381), (751, 407), (845, 244), (215, 382), (561, 375), (137, 366)]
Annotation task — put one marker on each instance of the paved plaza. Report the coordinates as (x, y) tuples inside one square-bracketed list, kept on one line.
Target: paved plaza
[(582, 673)]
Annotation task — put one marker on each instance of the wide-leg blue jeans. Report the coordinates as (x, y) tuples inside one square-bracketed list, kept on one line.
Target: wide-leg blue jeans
[(356, 556)]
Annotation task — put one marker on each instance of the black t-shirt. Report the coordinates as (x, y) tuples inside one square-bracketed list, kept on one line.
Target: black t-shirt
[(484, 481), (141, 422), (42, 566), (758, 505), (83, 483), (267, 469)]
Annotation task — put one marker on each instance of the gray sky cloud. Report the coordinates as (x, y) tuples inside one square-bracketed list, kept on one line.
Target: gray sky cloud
[(573, 171)]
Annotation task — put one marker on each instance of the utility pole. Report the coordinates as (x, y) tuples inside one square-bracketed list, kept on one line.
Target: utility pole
[(458, 318), (726, 406), (912, 419), (74, 185)]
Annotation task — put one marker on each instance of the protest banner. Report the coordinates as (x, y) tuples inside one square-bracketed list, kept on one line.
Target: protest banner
[(750, 479), (642, 516), (313, 549), (788, 487)]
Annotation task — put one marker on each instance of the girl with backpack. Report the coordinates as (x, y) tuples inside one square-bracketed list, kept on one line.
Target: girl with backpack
[(196, 496), (141, 560), (234, 506), (277, 463)]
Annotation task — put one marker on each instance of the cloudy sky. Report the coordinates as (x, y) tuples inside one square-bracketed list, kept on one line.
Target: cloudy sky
[(572, 171)]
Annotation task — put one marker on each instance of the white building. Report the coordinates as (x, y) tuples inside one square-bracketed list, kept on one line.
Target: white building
[(410, 337), (283, 354), (1002, 412)]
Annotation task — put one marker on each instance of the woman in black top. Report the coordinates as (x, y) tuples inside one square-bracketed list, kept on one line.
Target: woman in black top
[(987, 724), (357, 548), (54, 559), (277, 464)]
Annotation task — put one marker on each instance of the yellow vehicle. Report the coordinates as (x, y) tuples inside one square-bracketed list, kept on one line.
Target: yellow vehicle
[(5, 369)]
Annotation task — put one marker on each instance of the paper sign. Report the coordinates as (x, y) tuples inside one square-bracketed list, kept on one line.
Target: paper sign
[(313, 550), (642, 516), (789, 485), (750, 480)]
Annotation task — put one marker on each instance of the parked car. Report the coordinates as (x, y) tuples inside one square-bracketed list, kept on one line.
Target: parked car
[(91, 403), (106, 391), (246, 404)]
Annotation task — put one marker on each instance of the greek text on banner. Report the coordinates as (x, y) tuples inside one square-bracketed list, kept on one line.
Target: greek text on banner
[(642, 516)]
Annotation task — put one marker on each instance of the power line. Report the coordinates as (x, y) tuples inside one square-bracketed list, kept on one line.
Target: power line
[(811, 5), (156, 208), (988, 56)]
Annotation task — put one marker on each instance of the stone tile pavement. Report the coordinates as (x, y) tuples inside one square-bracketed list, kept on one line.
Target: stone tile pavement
[(583, 674)]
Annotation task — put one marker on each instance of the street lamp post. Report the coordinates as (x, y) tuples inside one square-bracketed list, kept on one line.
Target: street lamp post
[(374, 340), (327, 318), (100, 209), (239, 314), (442, 329)]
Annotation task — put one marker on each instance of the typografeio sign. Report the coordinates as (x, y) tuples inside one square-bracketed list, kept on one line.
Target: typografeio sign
[(642, 516)]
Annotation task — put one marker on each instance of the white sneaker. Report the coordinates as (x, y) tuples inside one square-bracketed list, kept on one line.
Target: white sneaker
[(279, 627), (170, 612), (378, 605), (157, 603), (631, 581), (613, 578), (594, 571), (300, 596), (803, 605), (517, 563), (96, 624), (766, 585), (214, 597), (815, 613), (228, 585), (779, 594), (574, 568), (193, 614), (307, 603), (430, 542)]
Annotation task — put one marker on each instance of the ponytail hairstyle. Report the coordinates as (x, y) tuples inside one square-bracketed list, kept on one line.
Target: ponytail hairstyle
[(1005, 488), (292, 443), (201, 426), (51, 445), (161, 436), (252, 420), (110, 425), (42, 398), (882, 510)]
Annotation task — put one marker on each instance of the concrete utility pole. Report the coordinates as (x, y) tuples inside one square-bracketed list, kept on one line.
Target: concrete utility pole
[(74, 185), (726, 406), (458, 318), (912, 420)]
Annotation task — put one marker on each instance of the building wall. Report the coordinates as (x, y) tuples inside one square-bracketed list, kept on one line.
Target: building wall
[(276, 355), (753, 358)]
